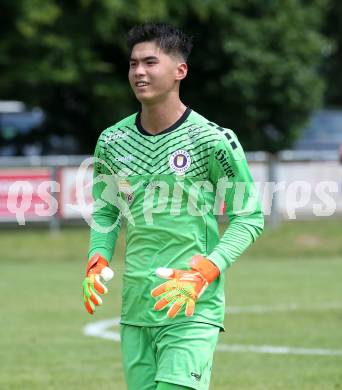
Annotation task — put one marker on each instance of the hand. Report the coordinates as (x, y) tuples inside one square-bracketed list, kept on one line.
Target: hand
[(184, 287), (97, 267)]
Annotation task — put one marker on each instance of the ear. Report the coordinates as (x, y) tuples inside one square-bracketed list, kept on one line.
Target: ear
[(182, 71)]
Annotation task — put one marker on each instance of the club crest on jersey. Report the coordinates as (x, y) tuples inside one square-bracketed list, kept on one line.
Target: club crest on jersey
[(179, 161)]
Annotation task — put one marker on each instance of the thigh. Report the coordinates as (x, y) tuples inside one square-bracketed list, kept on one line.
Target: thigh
[(138, 358), (185, 354)]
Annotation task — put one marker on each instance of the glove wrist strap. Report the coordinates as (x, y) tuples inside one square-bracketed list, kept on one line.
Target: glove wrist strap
[(205, 267), (96, 259)]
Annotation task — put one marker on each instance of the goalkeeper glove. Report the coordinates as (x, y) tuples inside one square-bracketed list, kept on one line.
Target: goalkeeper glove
[(184, 287), (97, 267)]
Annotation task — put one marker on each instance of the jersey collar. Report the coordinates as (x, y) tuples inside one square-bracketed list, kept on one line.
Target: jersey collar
[(168, 130)]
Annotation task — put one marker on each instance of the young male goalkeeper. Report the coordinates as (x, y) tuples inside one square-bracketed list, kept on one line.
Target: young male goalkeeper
[(170, 166)]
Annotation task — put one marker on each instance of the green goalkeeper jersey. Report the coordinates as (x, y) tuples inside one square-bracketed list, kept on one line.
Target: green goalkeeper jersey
[(170, 188)]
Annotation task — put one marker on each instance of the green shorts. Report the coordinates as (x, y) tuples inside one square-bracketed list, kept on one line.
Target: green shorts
[(180, 354)]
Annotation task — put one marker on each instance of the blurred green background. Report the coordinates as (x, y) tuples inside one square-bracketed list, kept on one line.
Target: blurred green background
[(258, 66)]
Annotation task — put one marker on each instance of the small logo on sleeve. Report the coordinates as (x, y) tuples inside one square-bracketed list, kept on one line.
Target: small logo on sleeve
[(223, 159), (115, 136)]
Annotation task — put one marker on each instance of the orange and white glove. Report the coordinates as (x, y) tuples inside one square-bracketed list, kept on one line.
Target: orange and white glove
[(184, 287), (97, 269)]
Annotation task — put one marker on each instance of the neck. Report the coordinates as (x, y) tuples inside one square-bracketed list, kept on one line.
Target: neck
[(159, 116)]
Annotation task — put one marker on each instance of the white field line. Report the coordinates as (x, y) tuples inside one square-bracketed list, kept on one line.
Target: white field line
[(100, 329), (261, 309), (271, 349)]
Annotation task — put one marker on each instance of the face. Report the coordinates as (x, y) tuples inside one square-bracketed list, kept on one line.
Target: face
[(153, 74)]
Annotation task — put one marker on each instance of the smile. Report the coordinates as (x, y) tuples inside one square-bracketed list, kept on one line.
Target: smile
[(141, 84)]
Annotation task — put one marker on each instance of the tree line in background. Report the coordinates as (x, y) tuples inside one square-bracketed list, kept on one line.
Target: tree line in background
[(259, 67)]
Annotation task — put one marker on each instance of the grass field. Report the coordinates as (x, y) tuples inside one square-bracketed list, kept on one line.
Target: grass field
[(286, 291)]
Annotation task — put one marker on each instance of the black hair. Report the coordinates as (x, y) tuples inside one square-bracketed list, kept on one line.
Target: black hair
[(169, 38)]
